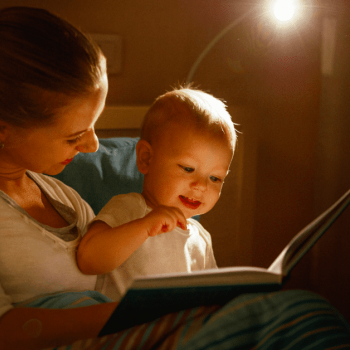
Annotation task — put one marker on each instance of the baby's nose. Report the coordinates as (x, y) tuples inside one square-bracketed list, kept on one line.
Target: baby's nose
[(200, 184)]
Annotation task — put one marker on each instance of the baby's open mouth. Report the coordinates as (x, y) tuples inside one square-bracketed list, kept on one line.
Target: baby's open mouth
[(189, 202)]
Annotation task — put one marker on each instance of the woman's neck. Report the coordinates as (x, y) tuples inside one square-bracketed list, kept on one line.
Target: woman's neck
[(13, 179)]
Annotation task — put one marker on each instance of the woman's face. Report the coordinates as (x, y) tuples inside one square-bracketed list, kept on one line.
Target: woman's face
[(48, 149)]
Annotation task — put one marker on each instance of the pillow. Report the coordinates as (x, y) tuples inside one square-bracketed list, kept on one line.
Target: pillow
[(110, 171)]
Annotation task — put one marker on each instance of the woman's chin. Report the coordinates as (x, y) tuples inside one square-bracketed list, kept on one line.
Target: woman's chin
[(54, 170)]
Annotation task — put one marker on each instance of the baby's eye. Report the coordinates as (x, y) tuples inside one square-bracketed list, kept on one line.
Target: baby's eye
[(187, 169), (215, 179), (72, 142)]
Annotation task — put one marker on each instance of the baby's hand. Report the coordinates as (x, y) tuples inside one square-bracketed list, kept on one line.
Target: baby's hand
[(164, 219)]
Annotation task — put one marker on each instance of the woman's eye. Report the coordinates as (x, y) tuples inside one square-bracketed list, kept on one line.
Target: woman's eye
[(72, 142), (214, 179)]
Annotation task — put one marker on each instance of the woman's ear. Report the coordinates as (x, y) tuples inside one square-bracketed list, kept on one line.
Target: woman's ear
[(144, 154)]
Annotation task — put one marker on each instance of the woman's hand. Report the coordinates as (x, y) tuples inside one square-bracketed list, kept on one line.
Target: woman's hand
[(36, 328)]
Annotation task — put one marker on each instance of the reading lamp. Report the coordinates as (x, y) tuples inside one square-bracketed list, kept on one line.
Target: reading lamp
[(283, 11)]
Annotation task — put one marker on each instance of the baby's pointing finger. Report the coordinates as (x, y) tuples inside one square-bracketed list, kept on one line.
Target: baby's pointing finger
[(182, 222), (181, 225)]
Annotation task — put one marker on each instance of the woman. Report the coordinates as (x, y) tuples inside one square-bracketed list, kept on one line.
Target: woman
[(53, 86)]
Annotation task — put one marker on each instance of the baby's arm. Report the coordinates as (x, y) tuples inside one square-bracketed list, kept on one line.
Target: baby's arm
[(103, 248)]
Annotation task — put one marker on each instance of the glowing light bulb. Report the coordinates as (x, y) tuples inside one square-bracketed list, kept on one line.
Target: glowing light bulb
[(284, 9)]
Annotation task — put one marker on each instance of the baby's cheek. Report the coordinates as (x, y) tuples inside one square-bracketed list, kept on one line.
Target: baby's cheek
[(216, 197)]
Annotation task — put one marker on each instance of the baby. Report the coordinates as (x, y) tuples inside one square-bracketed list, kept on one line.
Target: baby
[(185, 150)]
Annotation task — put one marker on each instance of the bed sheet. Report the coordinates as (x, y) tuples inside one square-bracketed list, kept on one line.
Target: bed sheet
[(282, 320)]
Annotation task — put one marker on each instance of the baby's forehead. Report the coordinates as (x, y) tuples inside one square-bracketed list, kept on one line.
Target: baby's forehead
[(196, 135), (200, 128)]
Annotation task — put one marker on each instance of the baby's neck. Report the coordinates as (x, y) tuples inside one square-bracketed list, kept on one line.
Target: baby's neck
[(149, 203)]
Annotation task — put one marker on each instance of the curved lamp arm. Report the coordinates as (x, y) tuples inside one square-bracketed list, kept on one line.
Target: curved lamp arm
[(212, 43)]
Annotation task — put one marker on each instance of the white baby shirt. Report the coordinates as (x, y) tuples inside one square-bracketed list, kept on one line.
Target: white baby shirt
[(175, 251)]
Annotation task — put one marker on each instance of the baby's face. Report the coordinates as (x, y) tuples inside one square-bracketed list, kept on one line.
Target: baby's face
[(187, 170)]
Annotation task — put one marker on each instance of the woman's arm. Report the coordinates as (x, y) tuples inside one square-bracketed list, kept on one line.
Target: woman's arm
[(104, 248), (35, 328)]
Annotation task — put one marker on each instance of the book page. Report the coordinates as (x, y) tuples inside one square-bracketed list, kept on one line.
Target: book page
[(222, 276), (307, 237)]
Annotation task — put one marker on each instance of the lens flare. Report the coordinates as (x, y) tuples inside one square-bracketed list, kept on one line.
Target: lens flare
[(284, 9)]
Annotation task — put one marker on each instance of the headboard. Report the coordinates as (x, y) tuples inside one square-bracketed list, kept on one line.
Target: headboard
[(110, 171)]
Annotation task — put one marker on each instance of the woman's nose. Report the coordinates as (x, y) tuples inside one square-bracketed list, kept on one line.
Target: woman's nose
[(90, 144)]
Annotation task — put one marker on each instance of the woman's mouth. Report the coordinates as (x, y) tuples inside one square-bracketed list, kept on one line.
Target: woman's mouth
[(67, 161), (189, 203)]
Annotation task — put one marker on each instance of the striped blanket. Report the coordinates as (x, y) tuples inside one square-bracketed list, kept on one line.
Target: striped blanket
[(284, 320)]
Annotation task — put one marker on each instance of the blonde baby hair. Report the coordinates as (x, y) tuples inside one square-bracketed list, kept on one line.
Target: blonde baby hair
[(189, 107)]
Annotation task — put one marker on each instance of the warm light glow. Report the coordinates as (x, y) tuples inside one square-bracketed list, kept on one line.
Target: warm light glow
[(284, 9)]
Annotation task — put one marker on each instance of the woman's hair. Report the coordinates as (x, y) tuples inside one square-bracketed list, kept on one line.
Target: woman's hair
[(190, 108), (44, 62)]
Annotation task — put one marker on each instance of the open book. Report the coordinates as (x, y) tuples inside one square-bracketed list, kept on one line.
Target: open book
[(153, 296)]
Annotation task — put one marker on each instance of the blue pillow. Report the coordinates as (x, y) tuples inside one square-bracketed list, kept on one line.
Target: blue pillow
[(110, 171)]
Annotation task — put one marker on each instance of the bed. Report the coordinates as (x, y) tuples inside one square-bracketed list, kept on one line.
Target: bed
[(291, 319)]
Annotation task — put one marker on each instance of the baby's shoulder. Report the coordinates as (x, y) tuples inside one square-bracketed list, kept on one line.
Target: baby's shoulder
[(127, 207), (127, 199)]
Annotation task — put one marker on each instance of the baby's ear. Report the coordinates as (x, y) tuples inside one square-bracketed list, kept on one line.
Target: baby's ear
[(143, 156)]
